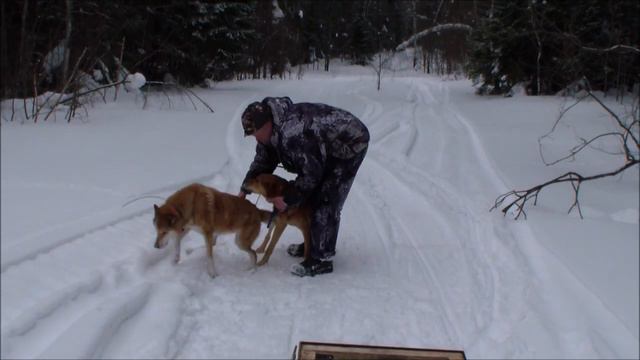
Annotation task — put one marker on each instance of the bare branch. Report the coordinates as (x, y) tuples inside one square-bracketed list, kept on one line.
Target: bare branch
[(620, 122), (620, 47), (576, 149)]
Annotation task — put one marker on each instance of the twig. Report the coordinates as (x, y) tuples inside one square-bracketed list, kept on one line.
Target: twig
[(13, 109), (182, 89), (620, 123), (92, 91), (35, 98), (576, 149)]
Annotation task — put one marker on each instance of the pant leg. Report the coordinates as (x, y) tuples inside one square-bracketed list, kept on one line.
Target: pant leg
[(327, 205)]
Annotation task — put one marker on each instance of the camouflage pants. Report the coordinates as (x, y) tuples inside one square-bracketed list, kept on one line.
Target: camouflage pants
[(327, 204)]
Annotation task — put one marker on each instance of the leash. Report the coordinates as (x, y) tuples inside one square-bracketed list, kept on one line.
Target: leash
[(274, 212), (143, 197)]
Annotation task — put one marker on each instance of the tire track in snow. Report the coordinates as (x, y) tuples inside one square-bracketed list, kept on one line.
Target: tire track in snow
[(111, 261), (483, 275), (403, 275), (383, 227), (498, 249), (449, 321), (87, 336), (413, 122), (482, 272), (373, 109)]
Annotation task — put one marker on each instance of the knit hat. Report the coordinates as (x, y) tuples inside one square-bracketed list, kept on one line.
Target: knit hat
[(255, 116)]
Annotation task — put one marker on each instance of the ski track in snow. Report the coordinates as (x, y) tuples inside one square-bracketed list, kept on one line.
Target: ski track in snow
[(426, 268)]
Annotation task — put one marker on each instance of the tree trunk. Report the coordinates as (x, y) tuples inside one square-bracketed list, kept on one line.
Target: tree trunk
[(415, 40), (67, 42), (21, 51), (4, 63)]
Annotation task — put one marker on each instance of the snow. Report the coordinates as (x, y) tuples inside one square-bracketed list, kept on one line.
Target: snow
[(54, 58), (277, 13), (421, 262), (135, 81)]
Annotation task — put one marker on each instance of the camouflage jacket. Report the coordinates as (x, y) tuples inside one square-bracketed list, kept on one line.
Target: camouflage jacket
[(306, 139)]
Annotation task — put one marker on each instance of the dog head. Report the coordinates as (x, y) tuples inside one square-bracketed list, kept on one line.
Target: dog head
[(166, 220), (267, 185)]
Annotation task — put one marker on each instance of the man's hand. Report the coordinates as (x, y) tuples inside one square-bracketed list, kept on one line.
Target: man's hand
[(278, 202)]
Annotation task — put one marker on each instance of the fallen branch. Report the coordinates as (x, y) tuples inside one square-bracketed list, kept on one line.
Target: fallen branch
[(517, 199), (522, 196)]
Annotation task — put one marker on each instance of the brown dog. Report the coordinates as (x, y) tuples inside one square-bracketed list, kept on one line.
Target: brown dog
[(211, 213), (269, 186)]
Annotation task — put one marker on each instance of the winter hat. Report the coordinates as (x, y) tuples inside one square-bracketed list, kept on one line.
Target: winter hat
[(254, 116)]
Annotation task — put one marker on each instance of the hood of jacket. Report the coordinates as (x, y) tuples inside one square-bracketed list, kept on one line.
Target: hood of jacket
[(279, 107)]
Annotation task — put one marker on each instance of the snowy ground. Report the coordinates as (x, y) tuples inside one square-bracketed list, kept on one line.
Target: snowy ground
[(421, 261)]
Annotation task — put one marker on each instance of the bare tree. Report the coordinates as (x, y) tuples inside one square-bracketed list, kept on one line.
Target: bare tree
[(379, 63)]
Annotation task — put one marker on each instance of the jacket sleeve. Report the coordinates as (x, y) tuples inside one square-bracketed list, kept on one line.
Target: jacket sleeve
[(312, 164), (265, 161)]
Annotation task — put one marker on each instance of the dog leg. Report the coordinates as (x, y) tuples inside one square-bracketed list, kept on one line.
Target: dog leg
[(176, 259), (280, 226), (211, 269), (244, 240)]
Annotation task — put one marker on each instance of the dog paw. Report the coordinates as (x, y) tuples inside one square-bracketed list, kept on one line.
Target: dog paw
[(176, 260), (211, 271)]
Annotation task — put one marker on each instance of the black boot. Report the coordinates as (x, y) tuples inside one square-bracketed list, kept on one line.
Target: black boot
[(312, 267), (296, 250)]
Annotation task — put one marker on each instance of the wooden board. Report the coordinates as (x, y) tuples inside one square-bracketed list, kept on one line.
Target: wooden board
[(327, 351)]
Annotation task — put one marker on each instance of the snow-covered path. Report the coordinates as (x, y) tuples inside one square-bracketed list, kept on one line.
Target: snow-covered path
[(421, 262)]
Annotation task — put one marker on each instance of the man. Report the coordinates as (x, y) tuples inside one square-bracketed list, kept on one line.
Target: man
[(324, 146)]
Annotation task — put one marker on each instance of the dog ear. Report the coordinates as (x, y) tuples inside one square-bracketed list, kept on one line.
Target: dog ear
[(155, 208)]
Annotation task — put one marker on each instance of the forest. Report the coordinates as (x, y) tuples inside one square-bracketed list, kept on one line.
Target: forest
[(545, 46)]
